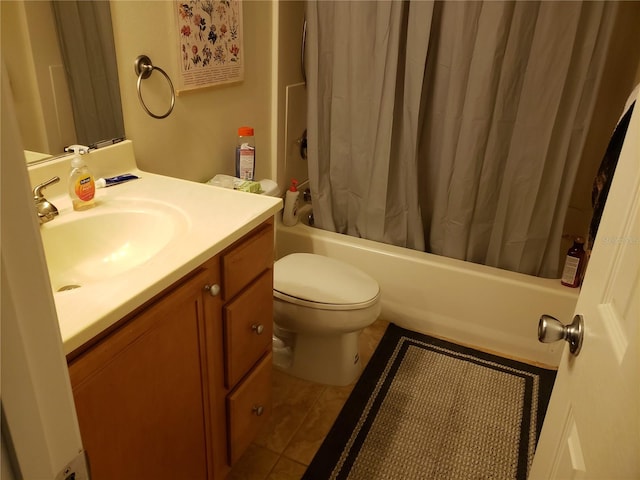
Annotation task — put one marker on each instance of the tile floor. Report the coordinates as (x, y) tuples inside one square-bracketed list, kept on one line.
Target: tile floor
[(303, 413)]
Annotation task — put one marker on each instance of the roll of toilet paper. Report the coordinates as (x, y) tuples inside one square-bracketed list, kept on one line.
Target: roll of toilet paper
[(269, 187)]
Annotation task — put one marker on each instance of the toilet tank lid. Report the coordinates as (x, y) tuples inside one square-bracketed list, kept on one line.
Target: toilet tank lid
[(321, 279)]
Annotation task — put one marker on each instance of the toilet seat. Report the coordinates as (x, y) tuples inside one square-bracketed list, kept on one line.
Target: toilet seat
[(316, 281)]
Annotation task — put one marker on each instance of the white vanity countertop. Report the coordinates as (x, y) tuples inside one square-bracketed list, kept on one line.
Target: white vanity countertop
[(212, 218)]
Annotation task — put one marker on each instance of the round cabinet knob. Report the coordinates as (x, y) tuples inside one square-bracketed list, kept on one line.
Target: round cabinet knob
[(258, 328), (213, 290), (257, 410)]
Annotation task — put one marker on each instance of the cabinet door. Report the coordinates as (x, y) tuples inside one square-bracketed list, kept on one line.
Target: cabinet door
[(139, 395), (248, 328)]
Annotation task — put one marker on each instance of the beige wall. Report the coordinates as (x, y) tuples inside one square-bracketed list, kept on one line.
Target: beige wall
[(198, 139)]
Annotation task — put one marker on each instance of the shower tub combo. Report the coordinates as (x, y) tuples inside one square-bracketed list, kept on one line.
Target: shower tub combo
[(483, 307)]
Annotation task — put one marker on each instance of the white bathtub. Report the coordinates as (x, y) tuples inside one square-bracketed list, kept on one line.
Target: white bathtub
[(480, 306)]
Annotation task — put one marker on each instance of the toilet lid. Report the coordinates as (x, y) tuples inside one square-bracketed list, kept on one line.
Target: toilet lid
[(323, 280)]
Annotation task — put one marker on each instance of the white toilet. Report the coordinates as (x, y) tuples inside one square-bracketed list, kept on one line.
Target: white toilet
[(320, 307)]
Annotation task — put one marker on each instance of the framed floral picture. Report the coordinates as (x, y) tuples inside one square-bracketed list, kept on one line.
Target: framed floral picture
[(210, 42)]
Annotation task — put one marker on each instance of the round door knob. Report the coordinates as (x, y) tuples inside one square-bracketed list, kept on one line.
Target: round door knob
[(258, 328), (550, 330), (257, 410), (213, 290)]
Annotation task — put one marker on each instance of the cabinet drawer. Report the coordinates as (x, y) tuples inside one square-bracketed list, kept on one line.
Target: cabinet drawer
[(246, 261), (249, 408), (248, 328)]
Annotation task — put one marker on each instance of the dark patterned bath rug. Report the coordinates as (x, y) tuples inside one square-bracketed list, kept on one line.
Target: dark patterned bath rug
[(425, 408)]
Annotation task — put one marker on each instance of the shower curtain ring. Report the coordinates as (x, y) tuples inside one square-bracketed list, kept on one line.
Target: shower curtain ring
[(144, 68)]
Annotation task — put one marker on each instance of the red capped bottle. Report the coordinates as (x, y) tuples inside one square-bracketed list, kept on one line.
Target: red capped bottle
[(246, 154), (574, 264)]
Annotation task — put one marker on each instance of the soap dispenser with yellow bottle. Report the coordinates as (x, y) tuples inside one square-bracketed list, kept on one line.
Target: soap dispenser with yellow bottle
[(82, 186)]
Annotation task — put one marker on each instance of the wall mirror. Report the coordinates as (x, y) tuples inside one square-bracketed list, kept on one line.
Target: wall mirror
[(60, 58)]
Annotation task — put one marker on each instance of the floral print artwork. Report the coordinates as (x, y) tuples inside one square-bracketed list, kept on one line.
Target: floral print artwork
[(210, 33)]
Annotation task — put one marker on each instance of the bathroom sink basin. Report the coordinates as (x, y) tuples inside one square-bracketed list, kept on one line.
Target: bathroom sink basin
[(97, 245)]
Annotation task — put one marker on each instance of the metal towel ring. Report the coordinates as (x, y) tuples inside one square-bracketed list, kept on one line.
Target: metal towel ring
[(144, 68)]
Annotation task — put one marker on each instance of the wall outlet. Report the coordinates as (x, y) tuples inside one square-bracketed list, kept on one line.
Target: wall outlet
[(76, 469)]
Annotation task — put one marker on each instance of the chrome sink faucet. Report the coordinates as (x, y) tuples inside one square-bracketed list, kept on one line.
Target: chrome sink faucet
[(46, 211)]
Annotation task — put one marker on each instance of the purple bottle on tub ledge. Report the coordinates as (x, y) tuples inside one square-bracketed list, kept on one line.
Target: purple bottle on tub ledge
[(246, 154), (574, 264)]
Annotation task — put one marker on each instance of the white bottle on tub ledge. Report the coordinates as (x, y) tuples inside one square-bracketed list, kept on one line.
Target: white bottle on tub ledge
[(290, 212)]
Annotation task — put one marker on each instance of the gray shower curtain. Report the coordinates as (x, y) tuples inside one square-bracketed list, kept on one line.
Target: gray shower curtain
[(363, 103), (452, 126)]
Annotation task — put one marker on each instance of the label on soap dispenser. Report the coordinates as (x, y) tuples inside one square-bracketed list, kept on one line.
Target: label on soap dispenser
[(85, 188)]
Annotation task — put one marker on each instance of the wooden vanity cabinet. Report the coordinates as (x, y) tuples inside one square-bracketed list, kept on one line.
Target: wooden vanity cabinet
[(180, 388)]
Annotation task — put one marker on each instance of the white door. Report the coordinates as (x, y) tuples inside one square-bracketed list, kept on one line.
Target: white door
[(592, 426)]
